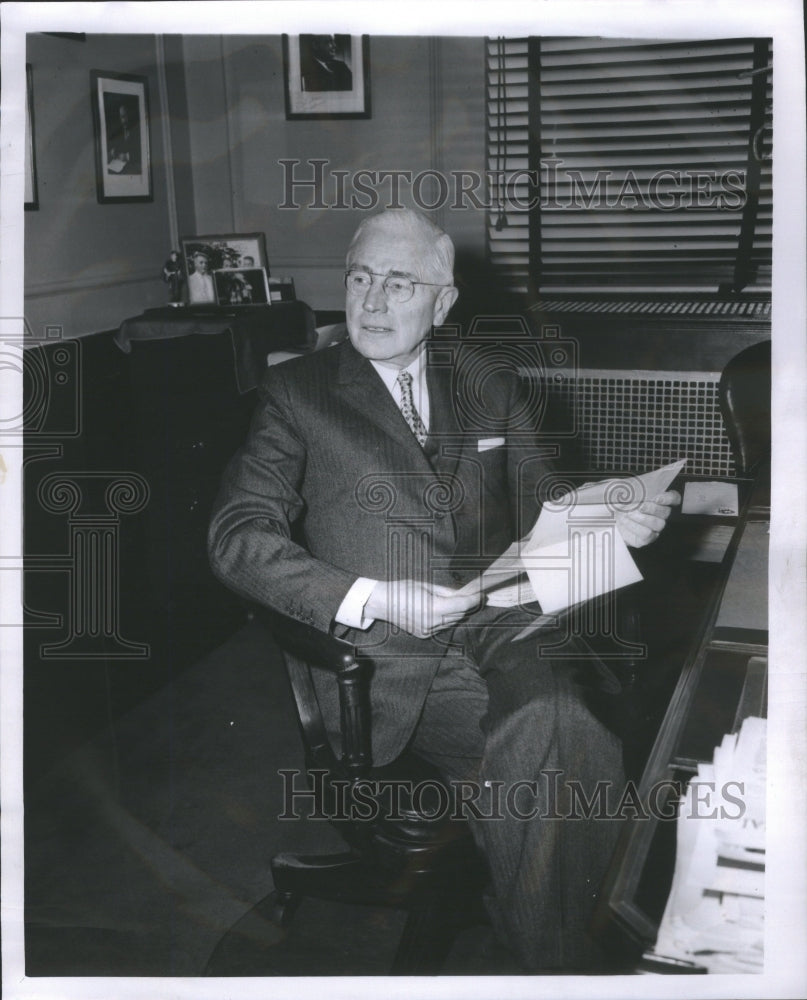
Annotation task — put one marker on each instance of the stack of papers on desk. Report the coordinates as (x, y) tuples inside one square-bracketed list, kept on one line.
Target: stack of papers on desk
[(715, 911)]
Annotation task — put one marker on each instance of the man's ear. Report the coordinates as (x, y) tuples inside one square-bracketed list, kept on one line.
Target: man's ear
[(444, 301)]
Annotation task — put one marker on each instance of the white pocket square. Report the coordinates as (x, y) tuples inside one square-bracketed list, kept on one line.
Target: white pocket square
[(485, 444)]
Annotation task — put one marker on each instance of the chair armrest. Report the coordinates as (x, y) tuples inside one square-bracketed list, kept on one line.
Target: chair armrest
[(310, 644), (316, 648)]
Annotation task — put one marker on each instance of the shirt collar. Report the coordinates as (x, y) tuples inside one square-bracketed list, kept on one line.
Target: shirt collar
[(415, 368)]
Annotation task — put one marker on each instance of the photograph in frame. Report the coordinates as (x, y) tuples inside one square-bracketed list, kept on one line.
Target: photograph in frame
[(202, 255), (157, 789), (326, 76), (120, 110), (247, 286)]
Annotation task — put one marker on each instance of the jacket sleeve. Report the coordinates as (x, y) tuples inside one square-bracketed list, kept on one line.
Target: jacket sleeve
[(250, 541)]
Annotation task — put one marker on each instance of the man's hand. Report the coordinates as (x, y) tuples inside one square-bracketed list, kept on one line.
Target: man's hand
[(642, 526), (418, 608)]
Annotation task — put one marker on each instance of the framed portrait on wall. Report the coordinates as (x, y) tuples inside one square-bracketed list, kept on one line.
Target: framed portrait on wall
[(122, 145), (326, 76), (31, 187)]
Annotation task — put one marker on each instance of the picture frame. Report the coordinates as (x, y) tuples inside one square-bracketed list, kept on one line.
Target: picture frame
[(120, 110), (326, 76), (222, 252), (31, 184), (242, 287)]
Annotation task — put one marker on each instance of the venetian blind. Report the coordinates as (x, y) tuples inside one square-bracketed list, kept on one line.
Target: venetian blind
[(630, 165)]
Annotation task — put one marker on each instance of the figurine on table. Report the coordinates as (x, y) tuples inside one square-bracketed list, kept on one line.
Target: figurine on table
[(174, 276)]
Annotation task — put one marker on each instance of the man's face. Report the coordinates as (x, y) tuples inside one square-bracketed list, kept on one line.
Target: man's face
[(324, 47), (387, 331), (200, 264)]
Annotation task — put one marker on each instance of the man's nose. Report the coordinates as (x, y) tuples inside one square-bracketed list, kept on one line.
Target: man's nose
[(375, 300)]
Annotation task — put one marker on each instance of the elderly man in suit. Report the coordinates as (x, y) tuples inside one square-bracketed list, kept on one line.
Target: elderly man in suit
[(376, 481)]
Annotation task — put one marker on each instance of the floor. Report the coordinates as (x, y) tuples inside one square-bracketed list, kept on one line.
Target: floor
[(149, 846)]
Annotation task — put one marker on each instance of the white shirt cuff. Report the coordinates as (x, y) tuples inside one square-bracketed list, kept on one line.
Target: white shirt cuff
[(351, 610)]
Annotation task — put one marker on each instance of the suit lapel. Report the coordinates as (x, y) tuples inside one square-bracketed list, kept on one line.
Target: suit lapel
[(362, 388)]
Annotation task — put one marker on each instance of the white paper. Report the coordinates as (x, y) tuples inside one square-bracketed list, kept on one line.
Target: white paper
[(710, 498), (574, 551), (715, 911), (624, 492), (576, 555)]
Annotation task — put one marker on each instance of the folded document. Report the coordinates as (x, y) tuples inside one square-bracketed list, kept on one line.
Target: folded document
[(574, 552)]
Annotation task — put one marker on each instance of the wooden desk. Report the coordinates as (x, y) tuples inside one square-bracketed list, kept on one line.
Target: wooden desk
[(724, 680)]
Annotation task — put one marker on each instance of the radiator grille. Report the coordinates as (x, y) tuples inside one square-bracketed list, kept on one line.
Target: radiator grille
[(634, 422)]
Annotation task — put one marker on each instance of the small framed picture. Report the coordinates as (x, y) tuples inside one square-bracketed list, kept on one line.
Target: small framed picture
[(204, 255), (122, 146), (242, 287), (31, 187), (327, 76)]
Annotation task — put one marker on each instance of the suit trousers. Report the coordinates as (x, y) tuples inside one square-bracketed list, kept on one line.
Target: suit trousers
[(512, 719)]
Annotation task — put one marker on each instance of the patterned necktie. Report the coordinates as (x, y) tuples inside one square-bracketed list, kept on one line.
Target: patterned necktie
[(408, 409)]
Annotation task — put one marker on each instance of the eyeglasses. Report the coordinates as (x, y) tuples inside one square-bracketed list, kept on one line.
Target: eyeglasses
[(397, 287)]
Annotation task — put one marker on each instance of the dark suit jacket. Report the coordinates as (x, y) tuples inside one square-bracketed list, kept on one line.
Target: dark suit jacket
[(332, 485), (318, 76)]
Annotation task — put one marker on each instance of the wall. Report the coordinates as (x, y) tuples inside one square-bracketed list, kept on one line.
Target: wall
[(87, 265), (428, 112), (216, 153)]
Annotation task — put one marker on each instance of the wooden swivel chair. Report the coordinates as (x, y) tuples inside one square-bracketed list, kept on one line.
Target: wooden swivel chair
[(744, 393), (402, 858)]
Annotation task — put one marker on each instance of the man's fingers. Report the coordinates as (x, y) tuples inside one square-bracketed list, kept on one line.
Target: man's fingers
[(669, 499), (448, 601), (654, 511), (639, 529), (641, 518)]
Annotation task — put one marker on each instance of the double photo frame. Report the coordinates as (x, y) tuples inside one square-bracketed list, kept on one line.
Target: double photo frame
[(227, 269)]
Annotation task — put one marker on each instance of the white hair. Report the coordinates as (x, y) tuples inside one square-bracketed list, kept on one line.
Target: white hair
[(439, 252)]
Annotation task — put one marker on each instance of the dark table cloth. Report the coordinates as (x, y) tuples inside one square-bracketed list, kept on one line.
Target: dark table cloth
[(255, 331)]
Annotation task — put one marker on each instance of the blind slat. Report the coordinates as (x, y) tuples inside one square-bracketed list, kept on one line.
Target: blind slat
[(617, 116)]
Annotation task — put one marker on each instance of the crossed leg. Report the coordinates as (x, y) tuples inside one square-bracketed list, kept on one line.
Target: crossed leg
[(516, 724)]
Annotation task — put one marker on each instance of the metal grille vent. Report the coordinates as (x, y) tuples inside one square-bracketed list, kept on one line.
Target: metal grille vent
[(631, 422)]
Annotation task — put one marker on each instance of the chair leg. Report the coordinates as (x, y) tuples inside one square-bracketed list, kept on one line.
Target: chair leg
[(280, 907), (427, 938)]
